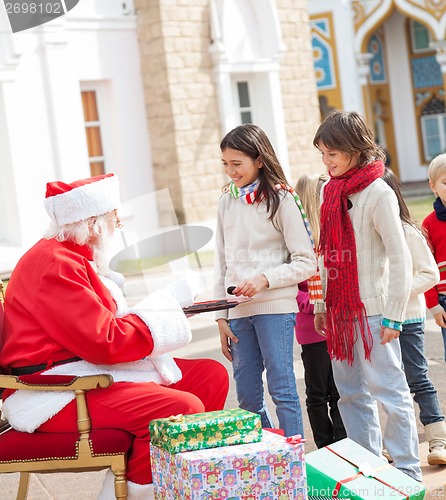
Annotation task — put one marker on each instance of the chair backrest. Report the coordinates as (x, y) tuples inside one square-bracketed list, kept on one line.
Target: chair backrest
[(3, 370), (2, 311), (2, 314)]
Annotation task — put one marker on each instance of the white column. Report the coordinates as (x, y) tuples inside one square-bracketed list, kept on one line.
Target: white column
[(278, 120), (61, 88), (9, 216), (225, 100), (440, 55), (363, 65), (9, 60), (363, 61)]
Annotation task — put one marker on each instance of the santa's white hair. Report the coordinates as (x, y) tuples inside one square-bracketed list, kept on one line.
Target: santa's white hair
[(93, 232)]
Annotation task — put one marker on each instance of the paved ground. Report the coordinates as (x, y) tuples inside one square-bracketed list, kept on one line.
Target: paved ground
[(85, 486)]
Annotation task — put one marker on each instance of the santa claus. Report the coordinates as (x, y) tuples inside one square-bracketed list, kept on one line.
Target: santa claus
[(65, 313)]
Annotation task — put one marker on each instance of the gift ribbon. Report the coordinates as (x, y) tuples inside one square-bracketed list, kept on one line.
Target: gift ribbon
[(176, 418), (363, 470), (297, 439)]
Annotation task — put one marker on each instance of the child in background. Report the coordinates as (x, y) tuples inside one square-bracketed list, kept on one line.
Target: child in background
[(435, 226), (368, 276), (262, 248), (320, 388), (425, 276)]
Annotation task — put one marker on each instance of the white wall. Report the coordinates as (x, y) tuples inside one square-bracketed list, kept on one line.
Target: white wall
[(41, 116), (114, 63)]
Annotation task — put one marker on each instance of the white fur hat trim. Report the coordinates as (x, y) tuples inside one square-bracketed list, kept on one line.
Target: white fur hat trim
[(84, 201)]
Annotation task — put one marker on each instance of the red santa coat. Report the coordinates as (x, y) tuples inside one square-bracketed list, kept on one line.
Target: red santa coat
[(57, 307), (57, 303)]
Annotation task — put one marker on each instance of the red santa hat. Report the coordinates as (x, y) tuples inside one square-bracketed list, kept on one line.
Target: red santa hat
[(79, 200)]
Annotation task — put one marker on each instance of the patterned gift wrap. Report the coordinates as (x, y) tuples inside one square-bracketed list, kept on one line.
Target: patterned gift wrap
[(272, 469), (205, 430), (353, 472)]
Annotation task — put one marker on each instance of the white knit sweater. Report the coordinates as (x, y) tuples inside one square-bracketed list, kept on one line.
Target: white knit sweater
[(425, 274), (384, 261), (248, 244)]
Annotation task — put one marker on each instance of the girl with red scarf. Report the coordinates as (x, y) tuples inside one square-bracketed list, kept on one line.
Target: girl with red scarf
[(367, 271)]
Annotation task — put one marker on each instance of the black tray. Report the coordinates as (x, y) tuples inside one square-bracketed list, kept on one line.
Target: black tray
[(213, 305)]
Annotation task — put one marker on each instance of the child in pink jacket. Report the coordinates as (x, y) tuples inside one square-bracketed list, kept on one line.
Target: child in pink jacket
[(322, 395)]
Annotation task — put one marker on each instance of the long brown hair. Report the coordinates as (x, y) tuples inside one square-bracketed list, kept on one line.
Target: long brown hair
[(348, 132), (252, 140), (392, 180)]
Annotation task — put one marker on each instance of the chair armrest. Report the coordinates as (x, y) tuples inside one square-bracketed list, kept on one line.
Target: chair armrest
[(53, 383), (42, 382)]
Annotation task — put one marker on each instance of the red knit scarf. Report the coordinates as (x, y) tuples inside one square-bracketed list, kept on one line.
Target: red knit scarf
[(338, 247)]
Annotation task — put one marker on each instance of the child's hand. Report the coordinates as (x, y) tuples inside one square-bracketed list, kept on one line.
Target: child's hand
[(440, 319), (226, 336), (249, 288), (320, 323), (388, 334)]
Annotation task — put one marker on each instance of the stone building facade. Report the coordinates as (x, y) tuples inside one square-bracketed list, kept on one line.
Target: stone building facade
[(182, 96)]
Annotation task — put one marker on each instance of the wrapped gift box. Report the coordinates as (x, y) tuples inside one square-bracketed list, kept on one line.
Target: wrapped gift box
[(357, 473), (271, 469), (205, 430)]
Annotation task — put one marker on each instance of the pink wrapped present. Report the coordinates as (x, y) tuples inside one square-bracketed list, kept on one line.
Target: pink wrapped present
[(271, 469)]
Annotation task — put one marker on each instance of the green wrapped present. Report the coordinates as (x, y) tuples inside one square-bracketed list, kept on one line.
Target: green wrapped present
[(180, 433), (347, 470)]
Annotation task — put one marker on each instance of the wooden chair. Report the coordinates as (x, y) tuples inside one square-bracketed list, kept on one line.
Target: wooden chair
[(85, 450)]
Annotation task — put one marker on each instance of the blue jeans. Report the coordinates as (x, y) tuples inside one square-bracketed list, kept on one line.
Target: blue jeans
[(382, 379), (416, 370), (266, 341), (442, 302)]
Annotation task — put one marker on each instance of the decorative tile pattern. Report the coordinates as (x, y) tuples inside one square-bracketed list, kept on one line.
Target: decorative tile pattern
[(426, 72)]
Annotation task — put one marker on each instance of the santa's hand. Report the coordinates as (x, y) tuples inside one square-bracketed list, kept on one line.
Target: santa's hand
[(185, 289)]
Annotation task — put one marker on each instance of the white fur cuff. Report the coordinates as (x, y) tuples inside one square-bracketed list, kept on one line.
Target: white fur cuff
[(166, 320)]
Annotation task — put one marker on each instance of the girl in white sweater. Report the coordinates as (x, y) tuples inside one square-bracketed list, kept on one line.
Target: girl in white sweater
[(425, 276), (368, 277), (264, 250)]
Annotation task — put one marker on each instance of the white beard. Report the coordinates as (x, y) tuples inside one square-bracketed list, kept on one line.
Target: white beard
[(100, 251)]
